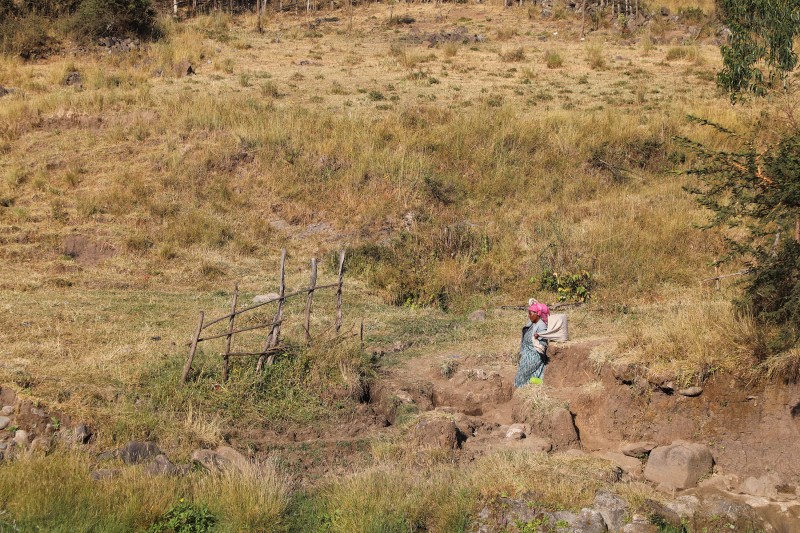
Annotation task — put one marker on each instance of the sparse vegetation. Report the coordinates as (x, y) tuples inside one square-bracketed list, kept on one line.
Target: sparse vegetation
[(452, 178)]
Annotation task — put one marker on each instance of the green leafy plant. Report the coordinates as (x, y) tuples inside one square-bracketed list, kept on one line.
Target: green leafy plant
[(570, 286), (185, 517)]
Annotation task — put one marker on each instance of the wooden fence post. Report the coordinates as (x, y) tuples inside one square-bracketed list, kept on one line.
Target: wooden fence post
[(229, 340), (275, 331), (312, 284), (188, 366), (339, 293)]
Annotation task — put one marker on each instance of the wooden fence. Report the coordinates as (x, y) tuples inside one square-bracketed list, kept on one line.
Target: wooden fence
[(272, 341)]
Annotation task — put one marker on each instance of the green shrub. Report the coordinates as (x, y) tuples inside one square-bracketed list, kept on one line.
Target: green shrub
[(26, 36), (569, 286), (114, 18), (185, 518)]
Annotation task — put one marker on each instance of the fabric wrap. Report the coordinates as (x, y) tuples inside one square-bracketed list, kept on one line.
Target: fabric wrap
[(557, 329)]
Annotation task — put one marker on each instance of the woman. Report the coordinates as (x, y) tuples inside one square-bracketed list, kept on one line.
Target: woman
[(533, 349)]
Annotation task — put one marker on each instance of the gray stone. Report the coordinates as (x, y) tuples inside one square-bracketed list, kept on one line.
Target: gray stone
[(589, 521), (516, 432), (82, 434), (691, 392), (234, 458), (136, 452), (210, 460), (73, 78), (21, 438), (637, 449), (261, 298), (41, 445), (7, 410), (684, 506), (4, 422), (630, 465), (183, 68), (612, 508), (478, 315), (161, 466), (663, 513), (679, 465), (102, 474)]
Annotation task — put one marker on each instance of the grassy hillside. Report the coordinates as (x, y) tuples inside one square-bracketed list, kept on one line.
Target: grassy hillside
[(455, 174)]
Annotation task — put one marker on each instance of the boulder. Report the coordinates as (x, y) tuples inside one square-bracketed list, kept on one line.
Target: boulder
[(637, 449), (73, 77), (7, 410), (183, 68), (436, 433), (563, 432), (233, 457), (82, 434), (161, 466), (691, 392), (210, 460), (516, 432), (630, 465), (612, 508), (21, 438), (41, 445), (136, 452), (679, 465), (684, 506), (4, 422), (477, 316), (589, 521), (640, 524), (662, 514)]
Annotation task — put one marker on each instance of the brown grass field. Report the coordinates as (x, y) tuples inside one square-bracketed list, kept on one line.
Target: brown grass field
[(136, 198)]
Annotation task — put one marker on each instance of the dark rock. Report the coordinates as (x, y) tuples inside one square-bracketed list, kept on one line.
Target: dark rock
[(183, 68), (588, 521), (136, 452), (73, 78), (82, 434), (161, 466), (612, 508), (679, 465), (661, 514)]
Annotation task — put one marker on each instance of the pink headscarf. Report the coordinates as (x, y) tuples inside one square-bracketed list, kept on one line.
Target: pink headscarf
[(540, 309)]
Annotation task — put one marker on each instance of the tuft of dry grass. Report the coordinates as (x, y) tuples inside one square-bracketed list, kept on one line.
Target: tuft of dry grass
[(553, 59), (514, 55), (595, 56)]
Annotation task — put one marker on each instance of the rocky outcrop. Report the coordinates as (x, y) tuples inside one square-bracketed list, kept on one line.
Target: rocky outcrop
[(680, 465)]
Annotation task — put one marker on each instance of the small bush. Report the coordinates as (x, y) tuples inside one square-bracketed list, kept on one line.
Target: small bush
[(553, 59), (114, 18), (27, 37), (184, 518), (517, 54), (595, 57)]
